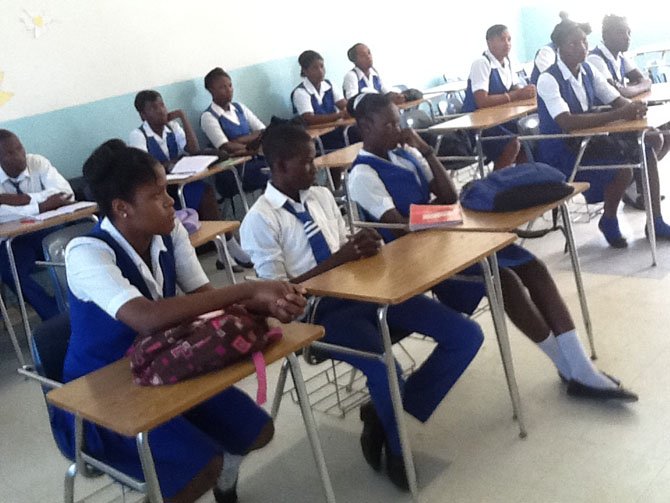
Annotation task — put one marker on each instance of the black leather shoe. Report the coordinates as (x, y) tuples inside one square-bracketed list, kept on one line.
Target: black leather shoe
[(246, 265), (220, 266), (395, 469), (227, 496), (576, 388), (372, 437)]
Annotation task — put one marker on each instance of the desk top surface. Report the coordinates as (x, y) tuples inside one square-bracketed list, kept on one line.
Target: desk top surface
[(339, 158), (485, 118), (26, 226), (350, 121), (213, 170), (656, 117), (659, 93), (209, 229), (447, 87), (108, 397), (408, 266)]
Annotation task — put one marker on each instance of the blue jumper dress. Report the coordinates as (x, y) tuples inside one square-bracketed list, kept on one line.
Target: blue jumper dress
[(183, 446)]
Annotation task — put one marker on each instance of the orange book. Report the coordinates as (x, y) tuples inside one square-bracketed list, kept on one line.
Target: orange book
[(429, 216)]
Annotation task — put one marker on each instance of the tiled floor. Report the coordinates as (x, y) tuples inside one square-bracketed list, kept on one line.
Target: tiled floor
[(469, 451)]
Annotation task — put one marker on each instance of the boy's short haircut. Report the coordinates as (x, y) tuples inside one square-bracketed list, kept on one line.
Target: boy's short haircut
[(281, 140), (611, 21), (214, 74), (351, 53), (495, 31), (144, 97)]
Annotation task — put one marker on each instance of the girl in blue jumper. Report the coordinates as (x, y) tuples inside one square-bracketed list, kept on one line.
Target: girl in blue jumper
[(568, 92), (123, 280), (396, 168), (493, 82)]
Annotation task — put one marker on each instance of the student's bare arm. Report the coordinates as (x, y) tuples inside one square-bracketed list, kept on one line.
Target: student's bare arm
[(15, 199), (393, 216), (486, 100), (638, 84), (192, 146), (623, 109), (312, 119)]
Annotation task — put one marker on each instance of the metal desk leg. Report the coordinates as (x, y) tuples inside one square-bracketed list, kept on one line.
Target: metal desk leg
[(279, 391), (577, 271), (396, 399), (180, 195), (240, 189), (148, 468), (19, 292), (310, 426), (646, 192), (494, 292), (12, 334), (480, 153), (224, 256)]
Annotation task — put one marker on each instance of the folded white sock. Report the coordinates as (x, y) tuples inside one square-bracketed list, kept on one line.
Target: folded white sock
[(236, 251), (230, 471), (550, 348), (582, 369)]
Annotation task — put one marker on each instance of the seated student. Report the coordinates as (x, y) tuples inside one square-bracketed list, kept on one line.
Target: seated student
[(29, 185), (493, 82), (363, 76), (123, 278), (546, 55), (317, 101), (161, 136), (568, 91), (233, 128), (396, 168), (295, 231)]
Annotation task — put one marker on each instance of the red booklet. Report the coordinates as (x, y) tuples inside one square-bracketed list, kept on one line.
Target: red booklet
[(428, 216)]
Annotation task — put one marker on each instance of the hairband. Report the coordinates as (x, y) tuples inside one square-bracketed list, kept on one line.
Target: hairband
[(359, 98)]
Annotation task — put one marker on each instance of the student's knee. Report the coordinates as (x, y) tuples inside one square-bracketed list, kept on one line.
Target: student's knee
[(624, 175), (266, 434), (655, 142)]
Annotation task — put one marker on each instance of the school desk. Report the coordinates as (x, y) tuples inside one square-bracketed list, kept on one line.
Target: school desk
[(229, 164), (659, 93), (11, 230), (109, 398), (656, 117), (216, 230), (385, 279), (340, 158), (455, 86)]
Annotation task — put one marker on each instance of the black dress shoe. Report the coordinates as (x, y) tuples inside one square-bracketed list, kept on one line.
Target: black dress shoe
[(576, 388), (372, 437), (227, 496), (220, 266), (246, 265), (395, 468)]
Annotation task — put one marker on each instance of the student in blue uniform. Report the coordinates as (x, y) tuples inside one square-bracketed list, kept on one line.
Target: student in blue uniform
[(363, 76), (235, 129), (493, 82), (123, 279), (396, 168), (295, 231), (29, 185), (567, 93)]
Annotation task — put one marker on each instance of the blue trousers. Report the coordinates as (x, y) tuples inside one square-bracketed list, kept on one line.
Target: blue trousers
[(354, 324), (28, 249)]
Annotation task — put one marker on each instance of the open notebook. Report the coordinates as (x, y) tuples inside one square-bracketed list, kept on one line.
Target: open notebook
[(64, 210), (191, 165)]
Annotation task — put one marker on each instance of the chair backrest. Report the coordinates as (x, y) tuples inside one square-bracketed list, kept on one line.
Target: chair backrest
[(53, 246), (49, 345)]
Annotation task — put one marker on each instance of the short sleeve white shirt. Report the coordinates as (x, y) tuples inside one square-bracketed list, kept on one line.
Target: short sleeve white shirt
[(600, 65), (481, 69), (544, 58), (93, 275), (302, 97), (367, 188), (353, 76), (275, 239), (548, 90), (138, 140), (211, 126)]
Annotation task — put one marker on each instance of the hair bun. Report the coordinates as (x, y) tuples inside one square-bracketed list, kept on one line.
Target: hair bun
[(100, 162), (563, 15)]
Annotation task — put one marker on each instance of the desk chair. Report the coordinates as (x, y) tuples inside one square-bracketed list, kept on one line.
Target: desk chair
[(48, 348)]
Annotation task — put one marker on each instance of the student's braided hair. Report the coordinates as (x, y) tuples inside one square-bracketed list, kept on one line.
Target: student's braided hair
[(351, 52), (144, 97), (214, 74), (306, 59), (115, 171)]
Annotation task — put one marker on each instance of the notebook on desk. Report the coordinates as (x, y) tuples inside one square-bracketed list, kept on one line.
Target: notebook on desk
[(190, 165)]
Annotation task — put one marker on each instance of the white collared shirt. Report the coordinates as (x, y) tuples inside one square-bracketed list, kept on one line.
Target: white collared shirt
[(39, 180), (138, 140), (481, 69), (353, 76), (302, 97), (211, 126), (549, 91), (600, 65), (368, 190), (93, 276), (544, 58), (275, 239)]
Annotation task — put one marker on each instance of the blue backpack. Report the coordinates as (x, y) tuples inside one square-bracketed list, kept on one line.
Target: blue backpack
[(515, 188)]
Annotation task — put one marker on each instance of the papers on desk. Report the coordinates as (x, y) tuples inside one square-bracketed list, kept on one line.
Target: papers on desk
[(430, 216), (191, 165), (64, 210)]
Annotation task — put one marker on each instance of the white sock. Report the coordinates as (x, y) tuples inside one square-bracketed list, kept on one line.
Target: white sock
[(231, 468), (553, 351), (236, 251), (582, 369)]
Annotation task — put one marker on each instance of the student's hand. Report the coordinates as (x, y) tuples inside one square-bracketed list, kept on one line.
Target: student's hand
[(410, 137), (633, 111), (54, 202), (176, 114), (279, 299), (523, 93), (365, 243)]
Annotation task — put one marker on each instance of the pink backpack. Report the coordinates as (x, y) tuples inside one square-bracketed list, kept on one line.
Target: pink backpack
[(210, 342)]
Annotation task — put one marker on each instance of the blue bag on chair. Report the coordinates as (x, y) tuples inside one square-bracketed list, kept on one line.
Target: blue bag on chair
[(515, 188)]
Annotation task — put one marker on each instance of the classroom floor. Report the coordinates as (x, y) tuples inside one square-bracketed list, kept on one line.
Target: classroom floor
[(469, 451)]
